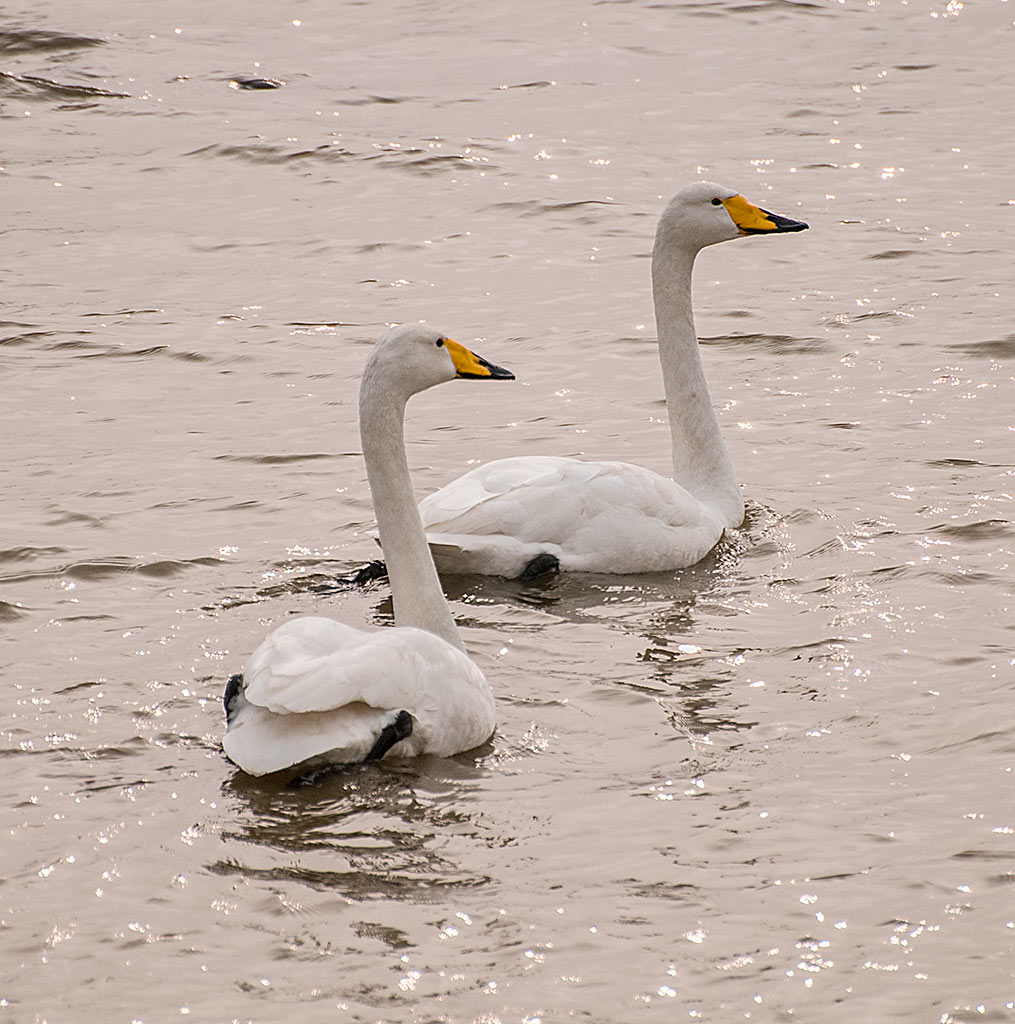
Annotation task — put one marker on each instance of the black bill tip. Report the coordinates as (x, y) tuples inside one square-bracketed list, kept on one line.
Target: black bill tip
[(492, 372), (786, 223)]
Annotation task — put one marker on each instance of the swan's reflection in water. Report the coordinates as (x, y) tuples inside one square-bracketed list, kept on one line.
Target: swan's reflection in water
[(687, 674), (376, 831)]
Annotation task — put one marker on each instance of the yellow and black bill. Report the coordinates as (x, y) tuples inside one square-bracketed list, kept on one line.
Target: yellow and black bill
[(473, 367), (753, 220)]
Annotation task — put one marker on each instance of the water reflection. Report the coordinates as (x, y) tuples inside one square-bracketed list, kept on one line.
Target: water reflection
[(364, 831)]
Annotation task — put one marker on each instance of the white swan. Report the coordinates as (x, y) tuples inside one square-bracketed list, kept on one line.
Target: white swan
[(531, 514), (319, 692)]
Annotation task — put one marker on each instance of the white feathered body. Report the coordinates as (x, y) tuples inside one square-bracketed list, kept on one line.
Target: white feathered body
[(613, 517), (318, 691), (593, 516)]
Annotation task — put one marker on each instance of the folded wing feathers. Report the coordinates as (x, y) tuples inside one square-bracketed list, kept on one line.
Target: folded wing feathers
[(550, 500), (317, 664), (316, 688)]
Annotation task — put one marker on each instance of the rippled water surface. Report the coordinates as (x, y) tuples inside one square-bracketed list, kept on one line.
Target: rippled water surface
[(775, 787)]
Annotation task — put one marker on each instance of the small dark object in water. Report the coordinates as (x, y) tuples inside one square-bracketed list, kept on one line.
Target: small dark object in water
[(253, 82)]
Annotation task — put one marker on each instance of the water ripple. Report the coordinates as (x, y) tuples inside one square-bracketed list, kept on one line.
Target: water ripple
[(427, 162), (10, 612), (13, 40), (33, 86), (987, 529), (995, 348), (28, 554), (358, 885), (894, 316), (102, 569), (82, 345), (722, 8), (278, 460), (774, 342), (892, 254), (268, 153), (540, 207)]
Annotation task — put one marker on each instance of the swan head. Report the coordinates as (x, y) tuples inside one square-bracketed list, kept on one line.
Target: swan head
[(414, 357), (704, 213)]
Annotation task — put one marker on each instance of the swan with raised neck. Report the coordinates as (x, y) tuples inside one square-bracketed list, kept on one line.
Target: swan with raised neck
[(318, 692), (523, 516)]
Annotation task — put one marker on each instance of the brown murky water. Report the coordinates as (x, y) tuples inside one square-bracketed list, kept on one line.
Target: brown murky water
[(776, 787)]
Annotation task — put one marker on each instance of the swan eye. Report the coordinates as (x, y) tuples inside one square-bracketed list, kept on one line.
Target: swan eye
[(717, 202), (440, 342)]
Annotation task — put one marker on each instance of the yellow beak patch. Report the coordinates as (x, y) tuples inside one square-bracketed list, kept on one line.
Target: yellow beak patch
[(752, 220), (468, 364)]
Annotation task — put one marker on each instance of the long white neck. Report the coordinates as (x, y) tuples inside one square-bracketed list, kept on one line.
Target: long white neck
[(415, 589), (700, 460)]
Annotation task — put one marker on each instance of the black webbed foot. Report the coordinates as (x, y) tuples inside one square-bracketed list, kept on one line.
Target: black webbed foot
[(399, 729), (365, 574), (375, 570), (542, 565)]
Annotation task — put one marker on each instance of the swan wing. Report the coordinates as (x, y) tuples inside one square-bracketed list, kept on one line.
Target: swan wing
[(318, 689), (503, 479), (593, 516), (317, 664)]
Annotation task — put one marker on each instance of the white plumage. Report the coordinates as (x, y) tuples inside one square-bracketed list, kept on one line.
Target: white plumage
[(614, 516), (591, 516), (317, 691)]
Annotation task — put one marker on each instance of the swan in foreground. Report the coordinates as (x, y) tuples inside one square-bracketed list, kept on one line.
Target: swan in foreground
[(529, 515), (318, 692)]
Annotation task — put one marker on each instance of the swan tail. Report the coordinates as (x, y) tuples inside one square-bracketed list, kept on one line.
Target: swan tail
[(486, 555), (261, 742)]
